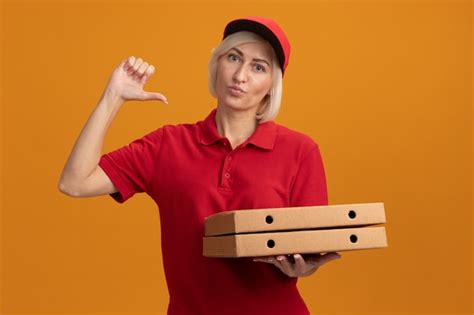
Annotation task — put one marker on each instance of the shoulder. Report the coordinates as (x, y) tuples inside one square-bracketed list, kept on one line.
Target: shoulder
[(181, 132), (188, 127), (292, 138), (177, 128)]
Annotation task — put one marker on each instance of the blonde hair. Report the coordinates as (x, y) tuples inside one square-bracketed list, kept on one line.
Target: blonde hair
[(271, 106)]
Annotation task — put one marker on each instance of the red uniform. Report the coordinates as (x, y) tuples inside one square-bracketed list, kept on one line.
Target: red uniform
[(191, 172)]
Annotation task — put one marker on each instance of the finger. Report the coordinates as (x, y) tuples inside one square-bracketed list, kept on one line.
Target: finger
[(148, 73), (305, 267), (141, 70), (327, 258), (134, 67), (266, 259), (137, 63), (129, 62), (312, 258), (300, 263), (285, 265), (274, 261), (148, 96), (271, 260), (150, 70), (122, 63)]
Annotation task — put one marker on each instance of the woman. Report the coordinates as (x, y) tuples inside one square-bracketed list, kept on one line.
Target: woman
[(236, 158)]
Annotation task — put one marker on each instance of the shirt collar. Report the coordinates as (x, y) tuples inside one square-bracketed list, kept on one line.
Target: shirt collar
[(263, 136)]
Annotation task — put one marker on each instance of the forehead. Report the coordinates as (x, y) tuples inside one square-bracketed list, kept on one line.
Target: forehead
[(260, 50)]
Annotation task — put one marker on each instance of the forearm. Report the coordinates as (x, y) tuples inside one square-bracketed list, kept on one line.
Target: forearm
[(85, 154)]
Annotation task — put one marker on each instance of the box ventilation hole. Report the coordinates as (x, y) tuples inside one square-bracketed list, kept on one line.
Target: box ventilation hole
[(269, 219)]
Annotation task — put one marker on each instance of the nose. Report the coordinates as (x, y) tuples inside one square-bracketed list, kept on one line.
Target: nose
[(240, 74)]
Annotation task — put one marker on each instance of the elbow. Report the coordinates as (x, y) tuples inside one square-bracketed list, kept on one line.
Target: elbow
[(68, 189)]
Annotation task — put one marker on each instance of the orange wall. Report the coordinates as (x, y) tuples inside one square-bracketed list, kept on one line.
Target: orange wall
[(383, 87)]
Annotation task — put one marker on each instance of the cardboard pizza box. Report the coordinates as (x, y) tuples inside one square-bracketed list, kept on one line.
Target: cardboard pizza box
[(294, 218), (301, 242)]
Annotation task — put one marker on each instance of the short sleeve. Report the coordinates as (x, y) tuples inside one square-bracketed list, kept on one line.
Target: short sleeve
[(131, 167), (309, 186)]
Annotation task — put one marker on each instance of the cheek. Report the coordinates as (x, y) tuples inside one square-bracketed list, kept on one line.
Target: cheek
[(219, 76), (264, 86), (222, 72)]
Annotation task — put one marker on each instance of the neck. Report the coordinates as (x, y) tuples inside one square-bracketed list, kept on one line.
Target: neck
[(235, 126)]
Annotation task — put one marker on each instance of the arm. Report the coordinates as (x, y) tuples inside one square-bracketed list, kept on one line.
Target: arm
[(81, 176)]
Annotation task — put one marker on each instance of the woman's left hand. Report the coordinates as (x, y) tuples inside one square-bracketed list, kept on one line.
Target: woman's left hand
[(302, 266)]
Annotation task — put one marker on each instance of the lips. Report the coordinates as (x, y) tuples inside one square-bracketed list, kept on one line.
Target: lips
[(236, 88)]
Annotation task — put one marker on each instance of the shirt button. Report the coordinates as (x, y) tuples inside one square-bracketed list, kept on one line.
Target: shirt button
[(227, 175), (229, 158)]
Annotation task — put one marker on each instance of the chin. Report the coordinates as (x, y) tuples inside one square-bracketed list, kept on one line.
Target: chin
[(236, 104)]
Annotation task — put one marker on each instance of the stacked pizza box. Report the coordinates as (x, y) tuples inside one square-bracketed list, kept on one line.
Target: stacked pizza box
[(302, 230)]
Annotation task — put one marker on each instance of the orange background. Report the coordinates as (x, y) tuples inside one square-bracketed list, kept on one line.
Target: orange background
[(385, 88)]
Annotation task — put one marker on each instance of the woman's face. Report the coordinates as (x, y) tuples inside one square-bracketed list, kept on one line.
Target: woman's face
[(244, 76)]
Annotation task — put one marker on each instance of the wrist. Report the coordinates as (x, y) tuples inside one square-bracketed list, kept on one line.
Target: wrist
[(112, 98)]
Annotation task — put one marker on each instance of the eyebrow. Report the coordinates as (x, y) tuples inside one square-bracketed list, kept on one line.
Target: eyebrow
[(254, 59)]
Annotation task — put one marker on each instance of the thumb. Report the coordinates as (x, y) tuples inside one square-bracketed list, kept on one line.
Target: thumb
[(328, 257), (150, 96)]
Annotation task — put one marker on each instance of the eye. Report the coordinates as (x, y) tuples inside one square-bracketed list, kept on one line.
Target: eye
[(232, 57), (260, 68)]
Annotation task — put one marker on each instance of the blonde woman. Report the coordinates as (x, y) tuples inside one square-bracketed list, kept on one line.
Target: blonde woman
[(235, 158)]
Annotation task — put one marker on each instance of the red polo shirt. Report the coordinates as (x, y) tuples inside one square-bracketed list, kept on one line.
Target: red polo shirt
[(191, 172)]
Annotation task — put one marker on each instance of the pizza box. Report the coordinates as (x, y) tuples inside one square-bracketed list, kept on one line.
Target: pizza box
[(293, 242), (294, 218)]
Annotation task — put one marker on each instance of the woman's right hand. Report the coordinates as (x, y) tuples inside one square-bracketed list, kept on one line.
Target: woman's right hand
[(128, 79)]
